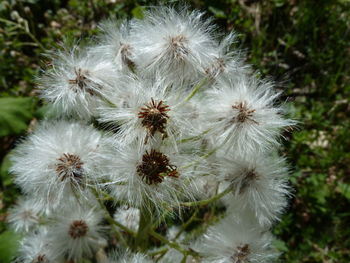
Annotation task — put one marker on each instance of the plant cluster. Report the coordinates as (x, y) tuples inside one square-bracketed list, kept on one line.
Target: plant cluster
[(151, 124)]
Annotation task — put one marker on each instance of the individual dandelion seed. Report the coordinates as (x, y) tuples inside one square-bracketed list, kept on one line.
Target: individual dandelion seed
[(154, 117), (58, 160), (155, 166)]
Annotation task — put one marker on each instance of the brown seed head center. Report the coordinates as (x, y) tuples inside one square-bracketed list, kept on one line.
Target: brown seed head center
[(41, 258), (154, 117), (154, 167), (241, 254), (78, 229), (178, 46), (248, 177), (216, 68), (69, 166), (244, 113), (81, 81)]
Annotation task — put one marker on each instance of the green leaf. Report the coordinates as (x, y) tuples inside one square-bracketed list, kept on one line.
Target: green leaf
[(137, 12), (344, 189), (217, 12), (4, 174), (9, 242), (15, 114)]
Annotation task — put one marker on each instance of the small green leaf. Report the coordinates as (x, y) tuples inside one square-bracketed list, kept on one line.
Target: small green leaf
[(4, 174), (344, 189), (217, 12), (15, 114), (9, 242), (137, 12)]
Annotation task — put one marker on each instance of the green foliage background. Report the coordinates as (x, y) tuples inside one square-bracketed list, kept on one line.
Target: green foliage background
[(302, 44)]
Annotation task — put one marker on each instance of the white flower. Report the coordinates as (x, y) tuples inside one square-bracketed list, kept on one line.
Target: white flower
[(230, 241), (242, 117), (146, 177), (171, 42), (74, 82), (36, 248), (57, 160), (76, 232), (114, 44), (149, 109), (259, 185), (128, 216), (25, 215)]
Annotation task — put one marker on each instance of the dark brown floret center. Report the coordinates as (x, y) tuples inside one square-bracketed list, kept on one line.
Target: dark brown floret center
[(154, 117), (82, 81), (154, 167), (178, 46), (241, 254), (69, 166), (41, 258), (244, 113), (248, 177), (78, 229)]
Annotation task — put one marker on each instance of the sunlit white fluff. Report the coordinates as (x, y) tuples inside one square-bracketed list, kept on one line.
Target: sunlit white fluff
[(133, 101), (57, 160), (114, 44), (128, 216), (242, 116), (76, 232), (25, 215), (129, 185), (74, 81), (171, 42), (36, 247), (230, 241), (259, 185), (127, 257), (227, 61)]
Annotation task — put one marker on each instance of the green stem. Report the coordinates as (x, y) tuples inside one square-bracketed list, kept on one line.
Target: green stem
[(207, 201), (145, 226), (172, 244), (196, 89)]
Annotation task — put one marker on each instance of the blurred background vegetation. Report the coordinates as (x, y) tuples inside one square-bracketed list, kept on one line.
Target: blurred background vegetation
[(302, 44)]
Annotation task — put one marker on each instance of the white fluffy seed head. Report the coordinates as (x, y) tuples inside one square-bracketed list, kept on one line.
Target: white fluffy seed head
[(57, 160), (259, 185), (76, 232), (242, 117), (128, 216), (114, 45), (230, 241), (74, 82), (25, 215), (148, 109), (148, 177), (173, 43)]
